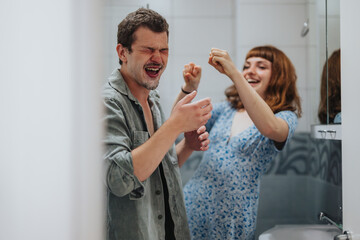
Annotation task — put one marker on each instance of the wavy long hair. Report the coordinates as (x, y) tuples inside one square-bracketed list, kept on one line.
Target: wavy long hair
[(281, 93), (332, 90)]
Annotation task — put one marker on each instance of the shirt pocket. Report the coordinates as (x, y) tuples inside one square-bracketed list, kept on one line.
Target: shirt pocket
[(139, 137)]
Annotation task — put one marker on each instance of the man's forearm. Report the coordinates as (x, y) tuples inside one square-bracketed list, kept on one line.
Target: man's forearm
[(147, 157)]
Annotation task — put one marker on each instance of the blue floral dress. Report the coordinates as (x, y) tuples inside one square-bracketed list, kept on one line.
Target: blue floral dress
[(221, 198)]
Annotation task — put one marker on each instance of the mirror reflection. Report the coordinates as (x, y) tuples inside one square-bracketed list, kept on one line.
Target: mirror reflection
[(330, 83), (330, 92)]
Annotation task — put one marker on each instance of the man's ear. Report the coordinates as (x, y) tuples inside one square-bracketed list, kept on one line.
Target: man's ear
[(121, 51)]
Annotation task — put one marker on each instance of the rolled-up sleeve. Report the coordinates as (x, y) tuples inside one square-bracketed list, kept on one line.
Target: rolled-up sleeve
[(120, 178)]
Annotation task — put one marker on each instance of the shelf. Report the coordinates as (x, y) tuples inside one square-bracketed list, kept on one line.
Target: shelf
[(330, 131)]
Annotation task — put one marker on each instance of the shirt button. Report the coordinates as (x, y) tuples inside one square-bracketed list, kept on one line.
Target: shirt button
[(160, 217), (157, 192)]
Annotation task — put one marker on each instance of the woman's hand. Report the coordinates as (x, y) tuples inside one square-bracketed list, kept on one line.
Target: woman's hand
[(222, 62), (197, 140), (192, 75)]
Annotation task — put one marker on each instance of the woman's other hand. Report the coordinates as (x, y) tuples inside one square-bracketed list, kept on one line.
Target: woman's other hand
[(221, 61), (197, 140), (192, 75)]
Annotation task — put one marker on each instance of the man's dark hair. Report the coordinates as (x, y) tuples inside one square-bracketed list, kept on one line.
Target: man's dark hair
[(140, 18)]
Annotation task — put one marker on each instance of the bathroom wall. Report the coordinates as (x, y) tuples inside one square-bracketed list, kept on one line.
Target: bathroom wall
[(350, 52), (50, 150)]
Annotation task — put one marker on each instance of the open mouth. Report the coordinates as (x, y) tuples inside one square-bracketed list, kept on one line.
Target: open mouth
[(252, 81), (153, 70)]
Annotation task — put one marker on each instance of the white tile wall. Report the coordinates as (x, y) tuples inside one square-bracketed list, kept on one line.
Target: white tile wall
[(278, 24), (312, 14), (202, 8), (113, 14), (196, 36)]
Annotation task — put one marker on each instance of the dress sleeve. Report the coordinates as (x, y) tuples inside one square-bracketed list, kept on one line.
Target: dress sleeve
[(291, 120), (218, 108), (119, 141)]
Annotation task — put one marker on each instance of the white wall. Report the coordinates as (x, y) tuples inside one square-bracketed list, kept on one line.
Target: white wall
[(50, 151), (350, 85)]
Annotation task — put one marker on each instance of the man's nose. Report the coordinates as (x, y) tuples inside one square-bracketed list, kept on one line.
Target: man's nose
[(156, 56)]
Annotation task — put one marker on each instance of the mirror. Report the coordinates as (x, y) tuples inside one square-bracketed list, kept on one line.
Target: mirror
[(328, 118), (305, 178)]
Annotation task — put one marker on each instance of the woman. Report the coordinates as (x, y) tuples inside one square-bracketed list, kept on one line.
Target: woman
[(330, 91), (246, 132)]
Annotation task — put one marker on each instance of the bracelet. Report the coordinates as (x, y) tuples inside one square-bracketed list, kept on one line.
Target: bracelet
[(186, 92)]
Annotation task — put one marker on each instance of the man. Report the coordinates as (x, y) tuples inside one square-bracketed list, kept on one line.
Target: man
[(144, 197)]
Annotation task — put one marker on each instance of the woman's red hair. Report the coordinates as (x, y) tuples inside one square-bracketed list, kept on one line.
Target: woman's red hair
[(281, 93), (330, 93)]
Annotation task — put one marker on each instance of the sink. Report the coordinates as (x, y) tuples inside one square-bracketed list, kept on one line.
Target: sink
[(301, 232)]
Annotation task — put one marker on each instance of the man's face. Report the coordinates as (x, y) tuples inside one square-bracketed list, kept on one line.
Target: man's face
[(148, 59)]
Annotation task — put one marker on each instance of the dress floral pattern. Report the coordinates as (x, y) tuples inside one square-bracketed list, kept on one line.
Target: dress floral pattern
[(222, 197)]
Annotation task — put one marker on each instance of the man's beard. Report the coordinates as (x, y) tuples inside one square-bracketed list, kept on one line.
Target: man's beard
[(149, 86)]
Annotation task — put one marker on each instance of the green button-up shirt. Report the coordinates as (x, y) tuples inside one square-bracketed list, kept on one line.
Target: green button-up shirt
[(135, 209)]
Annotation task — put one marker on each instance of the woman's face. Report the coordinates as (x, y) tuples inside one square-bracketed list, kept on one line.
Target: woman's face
[(257, 71)]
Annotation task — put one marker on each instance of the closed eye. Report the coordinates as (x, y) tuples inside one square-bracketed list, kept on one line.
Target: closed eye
[(165, 51)]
